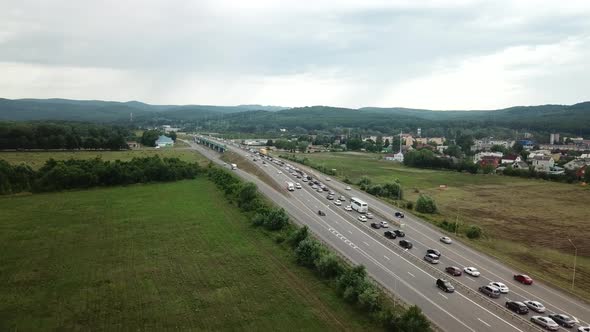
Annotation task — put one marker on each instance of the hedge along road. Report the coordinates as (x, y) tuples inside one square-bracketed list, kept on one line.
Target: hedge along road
[(393, 268)]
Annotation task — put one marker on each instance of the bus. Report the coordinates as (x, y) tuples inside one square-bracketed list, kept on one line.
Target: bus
[(290, 186), (359, 205)]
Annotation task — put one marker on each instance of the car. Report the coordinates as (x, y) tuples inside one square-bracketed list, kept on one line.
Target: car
[(446, 239), (348, 208), (298, 185), (518, 307), (369, 215), (316, 181), (563, 320), (434, 252), (399, 233), (453, 270), (399, 214), (431, 258), (321, 213), (384, 224), (471, 271), (304, 180), (545, 322), (319, 190), (390, 235), (363, 218), (310, 184), (535, 306), (406, 244), (338, 202), (265, 165), (490, 291), (342, 198), (445, 285), (348, 188), (503, 288), (325, 188), (584, 329), (330, 197), (375, 225), (332, 193), (328, 179), (314, 187), (279, 172), (523, 278)]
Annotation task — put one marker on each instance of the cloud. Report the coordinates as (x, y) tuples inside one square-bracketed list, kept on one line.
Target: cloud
[(336, 52)]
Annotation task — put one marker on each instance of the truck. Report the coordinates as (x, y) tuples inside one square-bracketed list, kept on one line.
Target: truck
[(234, 166), (290, 186)]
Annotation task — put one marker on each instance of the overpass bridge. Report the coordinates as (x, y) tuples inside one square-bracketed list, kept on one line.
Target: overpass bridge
[(210, 144)]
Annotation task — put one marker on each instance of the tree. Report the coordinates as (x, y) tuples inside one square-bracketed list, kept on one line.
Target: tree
[(473, 232), (587, 175), (426, 204), (302, 146), (453, 151), (517, 147), (172, 135), (269, 143), (465, 142), (307, 252), (386, 143), (149, 137), (413, 320), (354, 144), (498, 148)]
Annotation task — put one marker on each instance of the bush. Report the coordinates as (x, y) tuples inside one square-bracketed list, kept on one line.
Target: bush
[(328, 265), (410, 205), (413, 320), (308, 252), (298, 236), (474, 232), (426, 204)]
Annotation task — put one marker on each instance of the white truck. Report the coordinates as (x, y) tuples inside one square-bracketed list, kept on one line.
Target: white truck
[(234, 166), (290, 186)]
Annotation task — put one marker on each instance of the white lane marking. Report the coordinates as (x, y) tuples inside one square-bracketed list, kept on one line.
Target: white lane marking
[(481, 320), (411, 274), (439, 293), (387, 258), (350, 232), (366, 243)]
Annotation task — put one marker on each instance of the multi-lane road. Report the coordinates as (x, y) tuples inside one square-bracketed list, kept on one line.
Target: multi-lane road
[(404, 272)]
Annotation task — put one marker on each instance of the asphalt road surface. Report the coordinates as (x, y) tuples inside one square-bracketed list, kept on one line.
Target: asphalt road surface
[(404, 272)]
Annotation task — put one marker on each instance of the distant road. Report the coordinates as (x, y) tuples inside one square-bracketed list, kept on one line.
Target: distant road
[(405, 273)]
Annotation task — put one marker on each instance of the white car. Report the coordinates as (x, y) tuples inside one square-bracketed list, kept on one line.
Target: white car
[(584, 329), (503, 288), (446, 239), (384, 224), (298, 185), (328, 179), (471, 271), (545, 322), (338, 202), (347, 188), (535, 306), (362, 218), (279, 172), (369, 215), (348, 208)]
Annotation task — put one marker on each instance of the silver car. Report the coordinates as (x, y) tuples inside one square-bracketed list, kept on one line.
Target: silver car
[(545, 322)]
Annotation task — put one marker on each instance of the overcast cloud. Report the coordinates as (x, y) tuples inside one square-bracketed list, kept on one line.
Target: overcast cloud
[(453, 54)]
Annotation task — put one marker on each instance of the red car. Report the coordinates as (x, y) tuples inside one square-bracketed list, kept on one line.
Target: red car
[(455, 271), (523, 278)]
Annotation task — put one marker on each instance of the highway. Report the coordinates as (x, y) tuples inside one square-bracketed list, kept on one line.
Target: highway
[(402, 272)]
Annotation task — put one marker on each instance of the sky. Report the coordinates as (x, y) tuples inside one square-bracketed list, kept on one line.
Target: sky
[(447, 54)]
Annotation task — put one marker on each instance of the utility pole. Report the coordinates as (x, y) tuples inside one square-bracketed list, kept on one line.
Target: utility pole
[(575, 258)]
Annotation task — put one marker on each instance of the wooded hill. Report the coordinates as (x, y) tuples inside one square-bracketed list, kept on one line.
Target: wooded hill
[(574, 119)]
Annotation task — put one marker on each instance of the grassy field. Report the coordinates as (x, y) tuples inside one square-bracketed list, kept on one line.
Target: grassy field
[(153, 257), (527, 222), (36, 159)]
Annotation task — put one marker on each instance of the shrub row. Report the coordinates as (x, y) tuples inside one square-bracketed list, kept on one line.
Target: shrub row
[(391, 190), (69, 174), (352, 283)]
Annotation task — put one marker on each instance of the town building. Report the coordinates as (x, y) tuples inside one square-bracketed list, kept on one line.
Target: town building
[(520, 165), (164, 141), (577, 164), (492, 161), (543, 163), (485, 144), (480, 155), (133, 144), (510, 159)]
